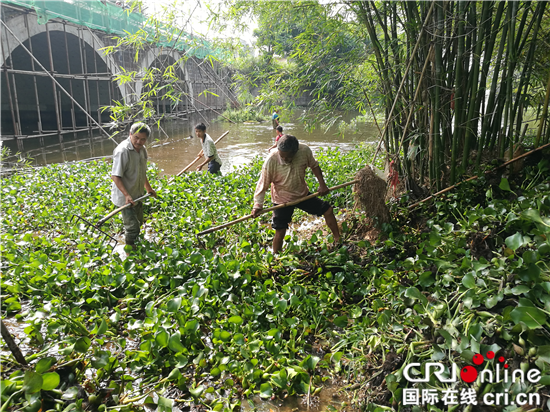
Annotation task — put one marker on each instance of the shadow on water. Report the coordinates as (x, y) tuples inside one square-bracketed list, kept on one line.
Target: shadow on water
[(175, 146)]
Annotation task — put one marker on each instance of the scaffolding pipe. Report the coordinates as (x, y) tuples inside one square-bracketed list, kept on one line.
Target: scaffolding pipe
[(16, 102), (10, 98), (34, 82), (52, 69), (84, 65), (73, 120)]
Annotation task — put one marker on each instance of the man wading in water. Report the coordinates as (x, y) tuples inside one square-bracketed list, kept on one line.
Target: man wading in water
[(208, 149), (129, 179), (285, 170)]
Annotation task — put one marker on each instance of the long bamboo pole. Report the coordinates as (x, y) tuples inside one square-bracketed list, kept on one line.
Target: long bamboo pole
[(293, 203), (200, 155), (121, 208), (477, 176)]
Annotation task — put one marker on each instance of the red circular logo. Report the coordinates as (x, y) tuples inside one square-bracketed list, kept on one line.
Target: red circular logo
[(490, 354), (478, 359), (468, 374)]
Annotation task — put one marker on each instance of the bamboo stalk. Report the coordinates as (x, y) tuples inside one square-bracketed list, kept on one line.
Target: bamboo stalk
[(460, 94), (293, 203), (388, 119), (200, 155), (544, 113)]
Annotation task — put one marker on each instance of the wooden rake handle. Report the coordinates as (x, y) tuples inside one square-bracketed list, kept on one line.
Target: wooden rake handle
[(293, 203), (114, 212), (200, 155)]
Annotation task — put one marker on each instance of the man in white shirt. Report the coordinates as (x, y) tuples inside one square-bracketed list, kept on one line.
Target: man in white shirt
[(284, 170), (129, 179), (208, 149)]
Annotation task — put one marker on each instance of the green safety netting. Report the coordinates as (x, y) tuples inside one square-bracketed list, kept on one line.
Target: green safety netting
[(113, 19)]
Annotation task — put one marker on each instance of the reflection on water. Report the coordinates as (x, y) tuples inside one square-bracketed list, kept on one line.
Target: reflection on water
[(174, 146)]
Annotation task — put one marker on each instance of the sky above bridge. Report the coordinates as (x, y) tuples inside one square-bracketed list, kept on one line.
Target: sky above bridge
[(194, 15)]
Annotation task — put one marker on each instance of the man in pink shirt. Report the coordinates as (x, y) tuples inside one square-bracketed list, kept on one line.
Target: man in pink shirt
[(285, 170)]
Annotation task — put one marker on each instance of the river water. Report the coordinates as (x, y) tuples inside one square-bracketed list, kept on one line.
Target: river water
[(174, 145)]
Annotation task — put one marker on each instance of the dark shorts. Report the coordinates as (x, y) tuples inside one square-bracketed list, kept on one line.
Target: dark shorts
[(214, 167), (282, 217)]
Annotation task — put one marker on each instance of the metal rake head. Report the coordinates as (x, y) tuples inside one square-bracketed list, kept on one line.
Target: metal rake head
[(96, 228)]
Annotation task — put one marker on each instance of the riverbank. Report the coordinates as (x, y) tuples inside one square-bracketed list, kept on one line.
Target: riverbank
[(207, 322)]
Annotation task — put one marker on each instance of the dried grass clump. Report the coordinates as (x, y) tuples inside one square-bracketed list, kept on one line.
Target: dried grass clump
[(370, 193)]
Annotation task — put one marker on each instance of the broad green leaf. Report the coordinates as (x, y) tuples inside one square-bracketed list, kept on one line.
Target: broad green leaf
[(82, 344), (426, 279), (191, 326), (266, 391), (282, 305), (413, 292), (534, 215), (173, 305), (100, 359), (102, 328), (45, 364), (162, 338), (533, 317), (341, 321), (310, 362), (165, 404), (239, 339), (182, 360), (236, 319), (175, 374), (50, 381), (520, 289), (469, 281), (337, 356), (197, 392), (515, 241), (504, 185), (32, 382), (174, 343)]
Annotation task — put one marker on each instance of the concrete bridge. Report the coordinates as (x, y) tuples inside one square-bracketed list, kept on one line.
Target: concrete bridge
[(48, 46)]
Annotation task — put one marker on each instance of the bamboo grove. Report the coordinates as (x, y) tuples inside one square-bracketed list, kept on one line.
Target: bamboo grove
[(462, 76)]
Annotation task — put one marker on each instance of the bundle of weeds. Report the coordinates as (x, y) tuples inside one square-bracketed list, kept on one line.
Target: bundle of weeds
[(370, 193)]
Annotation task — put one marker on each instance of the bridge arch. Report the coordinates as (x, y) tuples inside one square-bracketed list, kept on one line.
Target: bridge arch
[(79, 66)]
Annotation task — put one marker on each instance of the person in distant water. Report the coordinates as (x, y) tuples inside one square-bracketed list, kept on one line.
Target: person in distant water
[(275, 119), (208, 149), (284, 170), (129, 179), (279, 134)]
